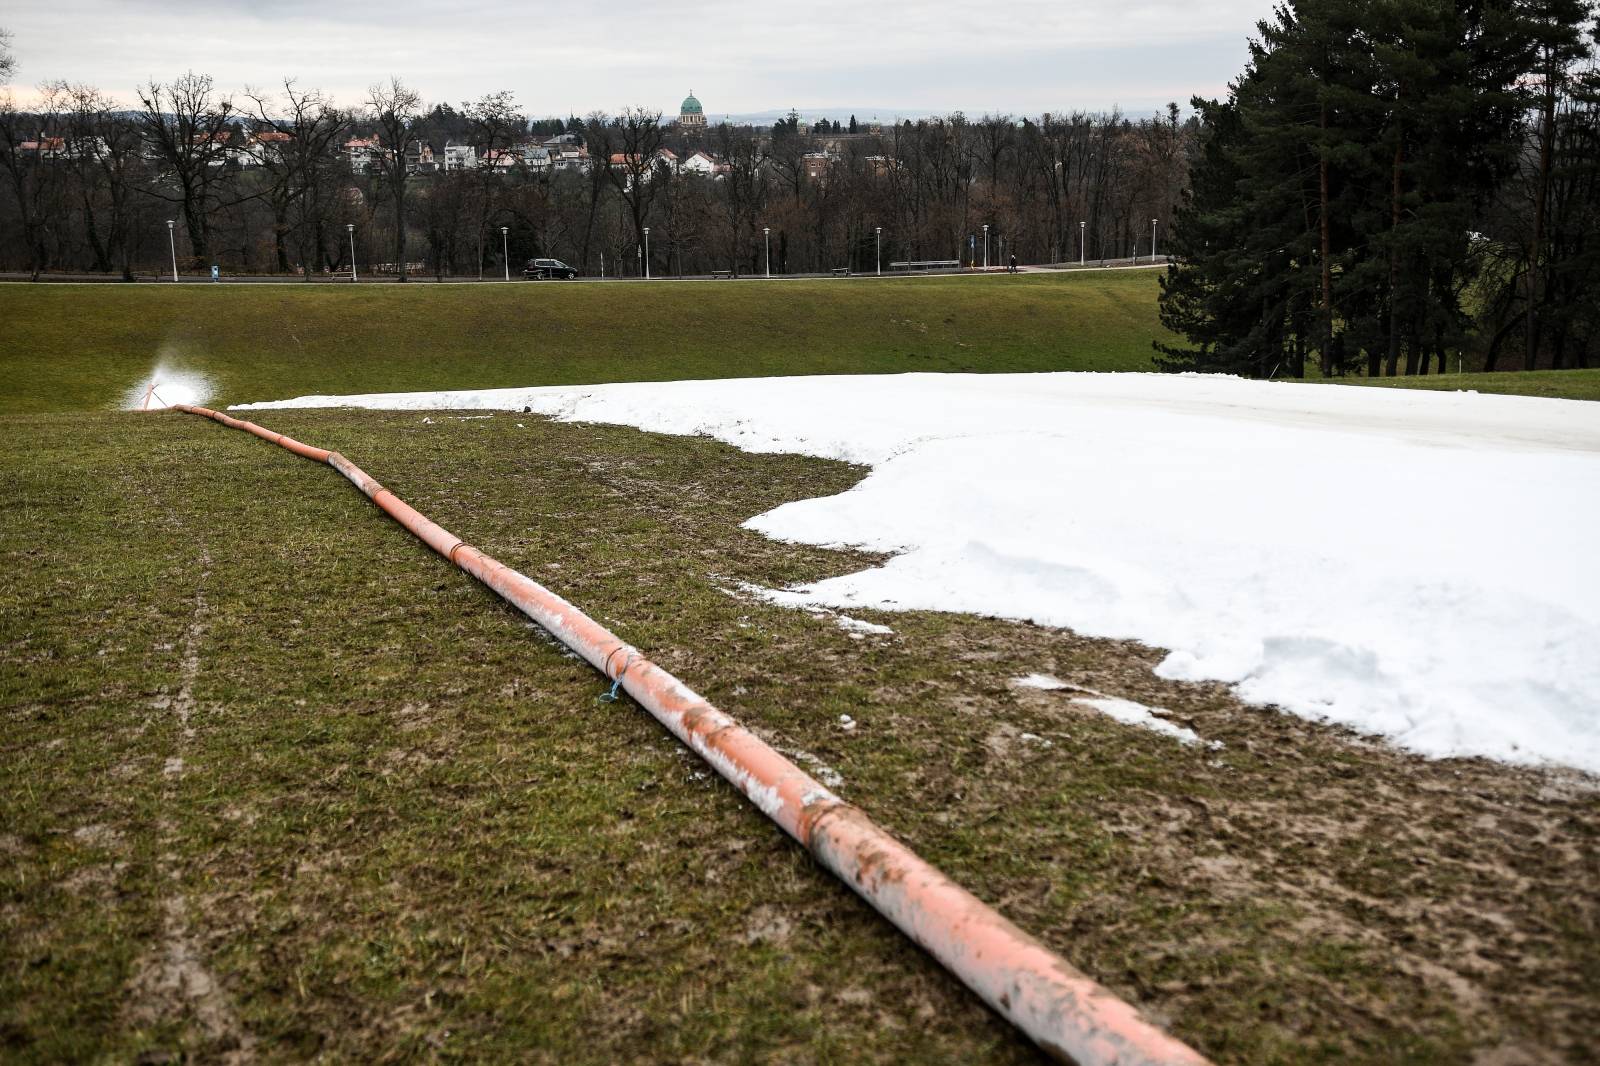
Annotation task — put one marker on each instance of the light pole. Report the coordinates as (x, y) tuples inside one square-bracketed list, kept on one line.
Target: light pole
[(766, 244), (505, 250), (351, 227), (173, 242), (1081, 239), (1152, 241), (986, 246), (647, 252), (879, 230)]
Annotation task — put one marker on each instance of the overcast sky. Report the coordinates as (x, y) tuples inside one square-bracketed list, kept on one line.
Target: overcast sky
[(738, 56)]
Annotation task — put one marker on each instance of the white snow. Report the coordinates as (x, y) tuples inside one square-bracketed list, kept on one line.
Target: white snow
[(1413, 564), (1137, 714), (819, 769), (790, 598), (1125, 711), (1040, 681)]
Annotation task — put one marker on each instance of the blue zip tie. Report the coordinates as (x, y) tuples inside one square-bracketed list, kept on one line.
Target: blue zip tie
[(616, 685)]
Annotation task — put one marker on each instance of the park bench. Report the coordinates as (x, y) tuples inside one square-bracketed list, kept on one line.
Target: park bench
[(841, 272), (718, 275), (926, 264)]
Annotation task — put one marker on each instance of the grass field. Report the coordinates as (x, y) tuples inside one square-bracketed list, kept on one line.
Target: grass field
[(1559, 384), (277, 779), (278, 783), (77, 347), (80, 347)]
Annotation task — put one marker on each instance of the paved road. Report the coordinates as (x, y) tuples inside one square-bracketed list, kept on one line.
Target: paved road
[(279, 279)]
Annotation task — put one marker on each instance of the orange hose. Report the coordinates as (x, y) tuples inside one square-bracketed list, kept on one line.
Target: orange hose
[(1061, 1009)]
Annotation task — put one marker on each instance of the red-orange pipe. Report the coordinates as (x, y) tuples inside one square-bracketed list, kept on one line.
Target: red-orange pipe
[(1057, 1006)]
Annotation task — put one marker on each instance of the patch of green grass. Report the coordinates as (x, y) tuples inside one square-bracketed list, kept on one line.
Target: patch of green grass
[(248, 721), (80, 347), (1559, 384)]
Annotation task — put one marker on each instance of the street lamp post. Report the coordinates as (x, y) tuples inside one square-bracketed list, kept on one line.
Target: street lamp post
[(1081, 239), (986, 246), (173, 242), (351, 227), (766, 242), (505, 250), (647, 252), (879, 230), (1152, 240)]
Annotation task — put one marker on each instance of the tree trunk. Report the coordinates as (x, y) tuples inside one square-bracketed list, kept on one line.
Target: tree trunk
[(1394, 259), (121, 231), (400, 220), (1530, 358), (194, 220), (36, 249), (1325, 224), (102, 261), (280, 226)]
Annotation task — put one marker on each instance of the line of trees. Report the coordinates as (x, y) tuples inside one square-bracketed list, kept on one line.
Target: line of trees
[(259, 183), (1392, 185)]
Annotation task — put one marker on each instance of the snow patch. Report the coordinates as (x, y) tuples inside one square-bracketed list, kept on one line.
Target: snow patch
[(819, 769), (1137, 714), (1406, 563), (799, 599)]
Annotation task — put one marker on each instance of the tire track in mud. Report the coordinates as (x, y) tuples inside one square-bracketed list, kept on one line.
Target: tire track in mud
[(173, 982)]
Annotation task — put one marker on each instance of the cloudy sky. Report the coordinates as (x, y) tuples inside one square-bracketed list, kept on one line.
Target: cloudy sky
[(738, 56)]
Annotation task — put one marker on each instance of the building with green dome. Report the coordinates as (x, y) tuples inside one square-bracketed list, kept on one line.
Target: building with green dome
[(691, 115)]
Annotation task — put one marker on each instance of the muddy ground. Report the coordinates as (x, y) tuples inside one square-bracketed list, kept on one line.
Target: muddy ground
[(279, 785)]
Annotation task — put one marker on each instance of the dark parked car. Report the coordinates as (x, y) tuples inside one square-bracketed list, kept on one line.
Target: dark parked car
[(548, 268)]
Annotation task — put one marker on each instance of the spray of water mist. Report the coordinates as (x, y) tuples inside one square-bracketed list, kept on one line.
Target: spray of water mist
[(167, 385)]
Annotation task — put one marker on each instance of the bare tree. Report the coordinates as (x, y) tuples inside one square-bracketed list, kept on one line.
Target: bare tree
[(786, 152), (597, 177), (744, 184), (32, 149), (8, 58), (395, 110), (495, 125), (295, 149), (107, 157), (637, 136), (997, 134), (186, 124)]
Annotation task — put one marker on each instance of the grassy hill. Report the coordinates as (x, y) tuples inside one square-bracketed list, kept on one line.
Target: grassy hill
[(280, 781), (80, 347), (1567, 384)]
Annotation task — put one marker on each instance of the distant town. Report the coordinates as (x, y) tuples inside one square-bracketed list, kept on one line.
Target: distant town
[(196, 177)]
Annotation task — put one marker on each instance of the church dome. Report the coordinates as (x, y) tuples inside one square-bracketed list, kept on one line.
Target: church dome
[(691, 106)]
